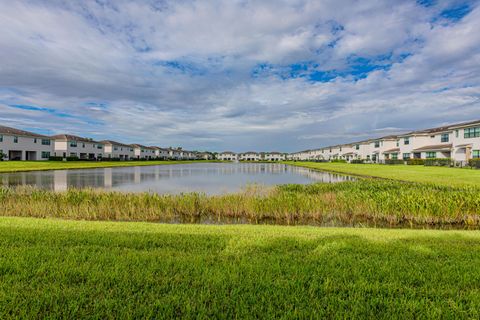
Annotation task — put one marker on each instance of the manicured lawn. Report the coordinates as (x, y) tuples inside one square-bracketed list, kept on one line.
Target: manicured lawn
[(437, 175), (105, 270), (15, 166)]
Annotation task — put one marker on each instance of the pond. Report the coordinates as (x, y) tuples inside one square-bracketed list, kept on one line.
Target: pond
[(209, 178)]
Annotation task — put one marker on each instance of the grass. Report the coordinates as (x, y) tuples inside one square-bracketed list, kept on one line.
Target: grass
[(367, 201), (104, 270), (423, 174), (19, 166)]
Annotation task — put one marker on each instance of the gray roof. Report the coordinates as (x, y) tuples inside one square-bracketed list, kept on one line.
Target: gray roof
[(18, 132)]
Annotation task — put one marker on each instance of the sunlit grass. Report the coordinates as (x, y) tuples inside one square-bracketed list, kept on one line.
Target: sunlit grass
[(104, 270), (438, 175)]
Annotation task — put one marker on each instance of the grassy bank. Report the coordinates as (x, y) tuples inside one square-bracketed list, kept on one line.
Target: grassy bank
[(18, 166), (423, 174), (68, 269), (372, 202)]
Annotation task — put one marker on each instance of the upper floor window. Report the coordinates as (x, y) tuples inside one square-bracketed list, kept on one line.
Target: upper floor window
[(46, 142), (398, 143), (34, 140), (1, 138), (15, 139), (456, 133), (377, 144), (406, 140), (472, 132), (99, 146), (115, 148), (432, 137), (357, 147), (445, 137), (73, 144)]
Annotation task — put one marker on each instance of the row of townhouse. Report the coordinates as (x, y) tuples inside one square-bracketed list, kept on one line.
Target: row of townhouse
[(18, 144), (251, 156), (460, 142)]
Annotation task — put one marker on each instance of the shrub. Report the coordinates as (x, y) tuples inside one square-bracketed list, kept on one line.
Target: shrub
[(394, 161), (474, 163), (357, 161), (339, 161), (2, 156), (415, 162), (441, 162)]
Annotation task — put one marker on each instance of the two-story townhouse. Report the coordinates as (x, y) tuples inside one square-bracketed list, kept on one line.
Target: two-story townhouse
[(466, 141), (250, 156), (426, 144), (143, 152), (117, 150), (18, 144), (203, 156), (175, 154), (363, 150), (67, 145), (160, 153), (385, 148), (274, 156), (347, 153), (227, 156)]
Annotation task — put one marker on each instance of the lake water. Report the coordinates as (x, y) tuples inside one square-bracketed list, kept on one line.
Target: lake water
[(209, 178)]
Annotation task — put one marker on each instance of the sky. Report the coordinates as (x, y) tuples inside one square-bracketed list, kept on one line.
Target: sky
[(266, 75)]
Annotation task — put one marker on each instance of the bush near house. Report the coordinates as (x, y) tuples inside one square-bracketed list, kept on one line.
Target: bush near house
[(474, 163), (54, 158), (394, 161), (440, 162), (357, 161), (339, 161), (2, 156), (415, 162)]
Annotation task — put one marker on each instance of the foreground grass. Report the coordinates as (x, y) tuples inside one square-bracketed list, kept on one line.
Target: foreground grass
[(104, 270), (367, 201), (423, 174), (19, 166)]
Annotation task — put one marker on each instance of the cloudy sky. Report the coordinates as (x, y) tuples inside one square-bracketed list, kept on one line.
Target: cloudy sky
[(238, 74)]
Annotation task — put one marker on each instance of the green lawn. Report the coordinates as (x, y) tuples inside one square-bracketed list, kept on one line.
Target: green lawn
[(437, 175), (16, 166), (107, 270)]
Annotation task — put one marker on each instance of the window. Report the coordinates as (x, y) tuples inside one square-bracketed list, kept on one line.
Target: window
[(456, 133), (377, 144), (34, 140), (432, 137), (357, 147), (406, 140), (398, 143), (46, 142), (73, 154), (83, 145), (476, 154), (1, 138), (45, 155), (73, 144), (472, 132), (431, 155), (445, 137), (394, 156), (115, 148), (99, 146), (406, 156), (15, 139), (340, 149)]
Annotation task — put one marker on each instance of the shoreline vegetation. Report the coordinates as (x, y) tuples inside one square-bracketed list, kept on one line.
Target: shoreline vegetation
[(365, 202), (25, 166), (83, 269)]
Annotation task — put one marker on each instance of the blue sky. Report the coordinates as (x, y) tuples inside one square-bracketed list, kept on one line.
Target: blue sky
[(238, 74)]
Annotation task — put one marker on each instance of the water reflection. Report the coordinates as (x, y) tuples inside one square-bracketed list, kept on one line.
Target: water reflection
[(210, 178)]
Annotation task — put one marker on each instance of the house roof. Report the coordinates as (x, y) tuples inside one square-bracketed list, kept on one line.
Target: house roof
[(18, 132), (71, 137), (465, 124), (437, 147), (392, 150), (115, 143), (141, 146)]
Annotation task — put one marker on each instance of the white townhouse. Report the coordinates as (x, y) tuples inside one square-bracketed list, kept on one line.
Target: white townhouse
[(67, 145), (227, 156), (175, 154), (273, 156), (143, 152), (117, 150), (347, 152), (384, 148), (426, 144), (18, 144), (204, 156), (188, 155), (161, 153), (466, 141), (250, 156)]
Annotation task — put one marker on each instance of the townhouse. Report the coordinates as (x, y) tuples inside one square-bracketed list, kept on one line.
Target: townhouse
[(18, 144), (273, 156), (175, 154), (143, 152), (466, 141), (250, 156), (426, 144), (67, 145), (161, 153), (117, 150), (227, 156)]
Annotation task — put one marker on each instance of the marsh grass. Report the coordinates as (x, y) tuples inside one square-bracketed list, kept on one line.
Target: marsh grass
[(369, 202)]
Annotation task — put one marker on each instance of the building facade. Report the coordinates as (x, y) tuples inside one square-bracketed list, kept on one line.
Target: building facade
[(66, 145), (23, 145)]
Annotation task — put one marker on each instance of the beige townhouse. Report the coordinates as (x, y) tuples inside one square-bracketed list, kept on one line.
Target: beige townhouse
[(465, 141), (67, 145), (250, 156), (143, 152), (117, 150), (227, 156), (273, 156), (18, 144)]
